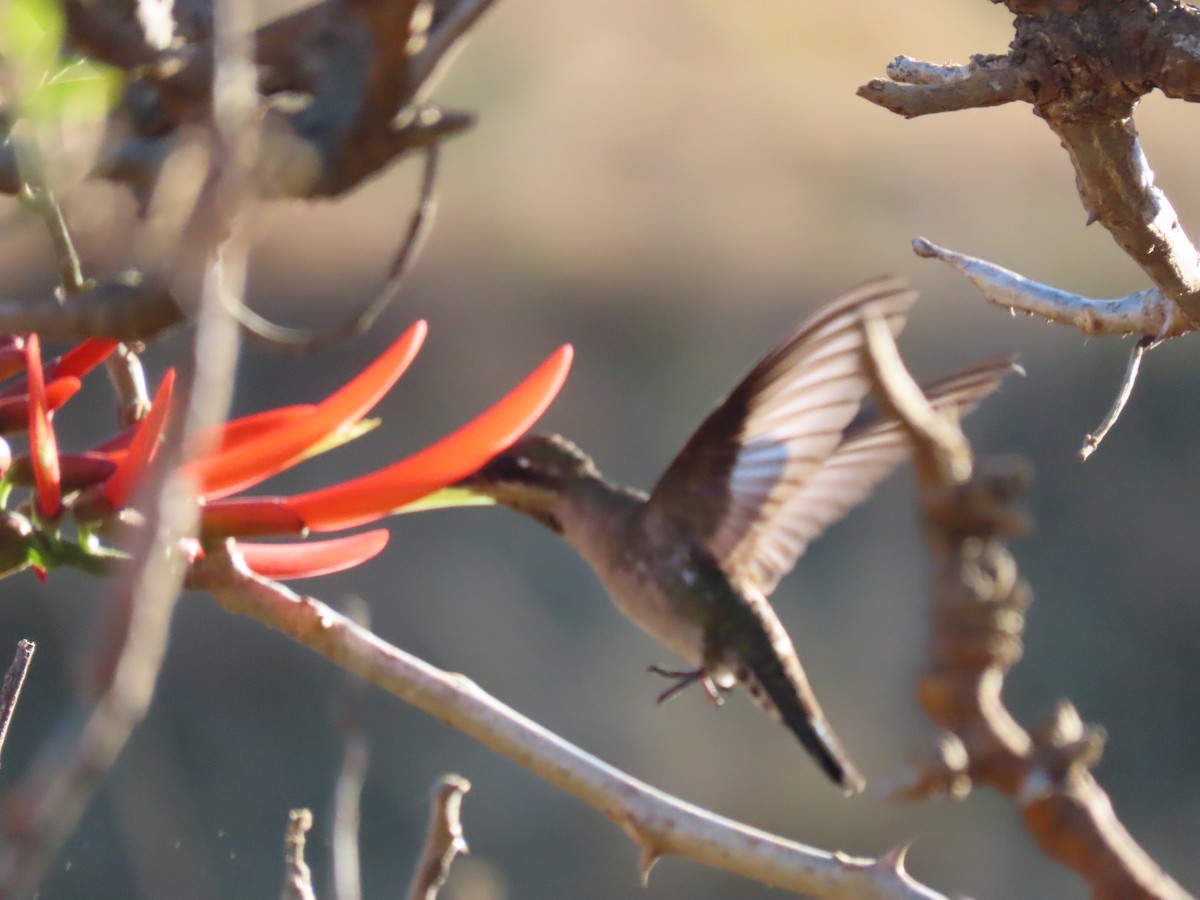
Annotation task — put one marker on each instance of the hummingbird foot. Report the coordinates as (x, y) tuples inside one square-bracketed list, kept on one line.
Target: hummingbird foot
[(683, 679)]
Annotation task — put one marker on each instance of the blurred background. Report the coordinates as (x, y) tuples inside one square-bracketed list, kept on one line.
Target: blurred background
[(668, 186)]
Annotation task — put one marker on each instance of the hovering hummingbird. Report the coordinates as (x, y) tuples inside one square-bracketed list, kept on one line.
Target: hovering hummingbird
[(777, 462)]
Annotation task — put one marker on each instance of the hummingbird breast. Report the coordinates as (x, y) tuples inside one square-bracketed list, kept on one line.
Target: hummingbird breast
[(661, 600), (656, 583)]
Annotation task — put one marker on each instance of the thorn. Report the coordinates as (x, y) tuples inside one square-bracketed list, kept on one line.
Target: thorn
[(893, 860), (649, 857)]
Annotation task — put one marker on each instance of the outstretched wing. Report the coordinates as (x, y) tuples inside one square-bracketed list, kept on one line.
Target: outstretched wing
[(866, 456), (768, 438)]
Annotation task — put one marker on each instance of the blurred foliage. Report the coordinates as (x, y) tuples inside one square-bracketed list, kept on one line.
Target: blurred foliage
[(39, 85)]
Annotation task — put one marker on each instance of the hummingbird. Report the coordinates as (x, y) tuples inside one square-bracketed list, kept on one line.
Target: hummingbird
[(785, 455)]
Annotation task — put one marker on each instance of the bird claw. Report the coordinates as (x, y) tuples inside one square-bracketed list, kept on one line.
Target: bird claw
[(683, 679)]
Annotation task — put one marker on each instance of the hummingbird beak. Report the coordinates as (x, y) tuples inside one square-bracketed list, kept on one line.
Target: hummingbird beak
[(476, 482)]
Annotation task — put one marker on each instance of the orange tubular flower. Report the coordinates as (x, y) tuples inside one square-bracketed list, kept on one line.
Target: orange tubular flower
[(243, 463), (14, 410), (249, 450), (287, 562), (118, 489), (371, 497), (454, 457)]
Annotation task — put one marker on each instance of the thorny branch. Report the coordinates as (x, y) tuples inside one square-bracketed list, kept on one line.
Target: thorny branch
[(978, 615), (659, 824)]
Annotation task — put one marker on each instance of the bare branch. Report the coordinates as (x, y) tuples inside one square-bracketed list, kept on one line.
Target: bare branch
[(921, 89), (38, 195), (1083, 68), (658, 823), (126, 308), (1116, 185), (978, 611), (14, 680), (124, 368), (1146, 312), (1092, 441), (443, 839)]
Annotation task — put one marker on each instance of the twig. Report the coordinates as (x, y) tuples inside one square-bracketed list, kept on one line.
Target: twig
[(297, 879), (978, 612), (129, 380), (125, 308), (38, 196), (14, 680), (452, 20), (1146, 312), (124, 368), (920, 88), (1092, 441), (418, 228), (443, 840), (658, 823)]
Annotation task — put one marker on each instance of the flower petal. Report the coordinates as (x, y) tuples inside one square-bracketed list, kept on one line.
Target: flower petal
[(75, 363), (14, 411), (236, 432), (308, 559), (455, 456), (12, 358), (42, 445), (248, 516), (118, 490), (77, 471), (233, 469), (82, 358)]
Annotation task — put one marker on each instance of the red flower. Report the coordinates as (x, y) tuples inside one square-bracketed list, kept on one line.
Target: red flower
[(249, 450), (48, 501)]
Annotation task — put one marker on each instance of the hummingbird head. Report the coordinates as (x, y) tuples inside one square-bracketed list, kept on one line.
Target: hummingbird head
[(532, 475), (546, 462)]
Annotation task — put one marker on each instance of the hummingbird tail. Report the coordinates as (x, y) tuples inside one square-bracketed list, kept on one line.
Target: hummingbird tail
[(823, 745), (791, 700)]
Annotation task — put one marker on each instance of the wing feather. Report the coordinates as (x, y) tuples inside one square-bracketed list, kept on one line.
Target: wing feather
[(777, 428)]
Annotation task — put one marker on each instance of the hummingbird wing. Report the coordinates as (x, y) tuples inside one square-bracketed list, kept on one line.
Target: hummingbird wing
[(776, 429), (870, 449)]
